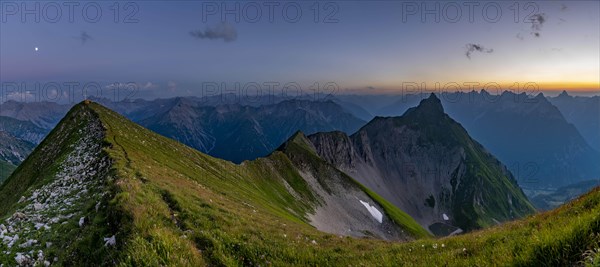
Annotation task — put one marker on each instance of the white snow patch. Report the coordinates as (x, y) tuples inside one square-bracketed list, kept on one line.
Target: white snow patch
[(456, 232), (374, 211), (445, 217)]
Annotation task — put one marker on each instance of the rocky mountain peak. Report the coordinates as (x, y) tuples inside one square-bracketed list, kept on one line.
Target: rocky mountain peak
[(564, 94), (540, 96), (430, 107), (432, 103), (297, 139)]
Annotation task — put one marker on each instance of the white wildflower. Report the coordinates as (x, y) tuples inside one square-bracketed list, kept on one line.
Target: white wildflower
[(110, 241)]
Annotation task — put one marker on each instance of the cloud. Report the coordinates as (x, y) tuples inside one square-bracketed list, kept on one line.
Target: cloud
[(120, 85), (476, 48), (21, 96), (520, 37), (149, 85), (563, 7), (222, 31), (537, 21), (84, 37)]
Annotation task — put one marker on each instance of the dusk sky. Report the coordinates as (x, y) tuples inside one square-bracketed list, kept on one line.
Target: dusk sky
[(366, 47)]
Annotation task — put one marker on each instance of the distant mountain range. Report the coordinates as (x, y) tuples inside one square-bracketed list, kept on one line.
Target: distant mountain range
[(529, 135), (23, 130), (238, 133), (44, 115), (583, 112), (17, 140), (233, 132)]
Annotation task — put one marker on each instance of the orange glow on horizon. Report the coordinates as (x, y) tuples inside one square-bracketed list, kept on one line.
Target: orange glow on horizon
[(491, 87)]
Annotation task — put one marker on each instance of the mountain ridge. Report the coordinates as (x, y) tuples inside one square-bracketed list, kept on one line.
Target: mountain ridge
[(153, 201)]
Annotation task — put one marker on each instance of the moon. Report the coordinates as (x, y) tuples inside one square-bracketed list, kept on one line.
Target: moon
[(36, 48)]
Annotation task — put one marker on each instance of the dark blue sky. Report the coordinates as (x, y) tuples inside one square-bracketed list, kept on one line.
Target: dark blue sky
[(367, 46)]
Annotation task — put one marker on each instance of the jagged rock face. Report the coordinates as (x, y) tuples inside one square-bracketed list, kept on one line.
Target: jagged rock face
[(336, 148), (425, 163)]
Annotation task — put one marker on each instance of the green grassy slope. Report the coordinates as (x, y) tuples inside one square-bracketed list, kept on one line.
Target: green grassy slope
[(169, 205), (5, 170)]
